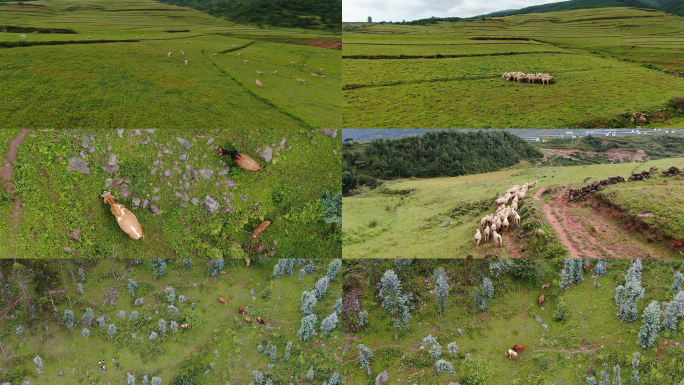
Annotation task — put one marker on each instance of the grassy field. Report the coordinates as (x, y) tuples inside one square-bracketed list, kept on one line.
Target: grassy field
[(111, 83), (436, 218), (591, 335), (596, 57), (218, 348), (287, 192)]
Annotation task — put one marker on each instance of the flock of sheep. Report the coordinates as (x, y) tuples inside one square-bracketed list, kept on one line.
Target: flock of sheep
[(260, 73), (504, 216), (529, 78)]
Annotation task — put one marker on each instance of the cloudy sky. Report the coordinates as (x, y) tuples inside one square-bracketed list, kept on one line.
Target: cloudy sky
[(398, 10)]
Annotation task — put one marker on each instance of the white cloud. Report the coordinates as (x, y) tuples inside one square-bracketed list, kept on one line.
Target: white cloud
[(398, 10)]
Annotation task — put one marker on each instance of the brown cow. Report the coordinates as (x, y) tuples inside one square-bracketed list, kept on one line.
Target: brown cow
[(519, 348), (261, 321), (248, 319), (511, 354), (223, 300), (248, 261), (223, 272), (185, 326), (541, 299), (546, 285), (588, 266), (240, 310)]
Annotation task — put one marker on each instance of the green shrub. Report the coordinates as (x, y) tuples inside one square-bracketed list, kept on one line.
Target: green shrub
[(476, 371), (561, 312)]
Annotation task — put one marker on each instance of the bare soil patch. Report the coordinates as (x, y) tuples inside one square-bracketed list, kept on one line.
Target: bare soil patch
[(612, 154)]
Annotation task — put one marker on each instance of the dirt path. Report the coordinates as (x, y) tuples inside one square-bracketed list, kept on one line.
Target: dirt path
[(7, 173), (587, 234)]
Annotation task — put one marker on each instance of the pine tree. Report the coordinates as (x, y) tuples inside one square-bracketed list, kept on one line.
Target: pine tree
[(601, 267), (441, 289), (329, 323), (635, 368), (85, 333), (677, 282), (131, 287), (307, 329), (334, 266), (650, 325), (365, 355), (69, 320), (397, 304), (444, 366), (89, 316), (308, 302), (322, 287)]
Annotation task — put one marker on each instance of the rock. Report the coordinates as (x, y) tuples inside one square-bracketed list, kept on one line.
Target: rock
[(126, 191), (183, 205), (210, 204), (61, 373), (244, 197), (155, 210), (329, 132), (597, 230), (206, 172), (108, 183), (67, 249), (155, 163), (177, 194), (127, 181), (251, 291), (120, 131), (539, 319), (154, 171), (117, 182), (210, 141), (381, 378), (195, 175), (540, 232), (136, 201), (283, 143), (112, 165), (156, 198), (225, 201), (75, 233), (86, 141), (59, 159), (187, 145), (643, 119), (167, 151), (267, 155), (145, 203), (229, 183), (168, 173), (459, 331), (78, 164), (225, 171), (183, 157), (147, 140), (91, 150), (155, 190), (195, 201), (150, 130), (186, 185), (109, 147), (184, 197), (644, 216)]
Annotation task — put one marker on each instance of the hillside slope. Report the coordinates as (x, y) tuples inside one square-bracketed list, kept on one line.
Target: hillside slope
[(674, 6)]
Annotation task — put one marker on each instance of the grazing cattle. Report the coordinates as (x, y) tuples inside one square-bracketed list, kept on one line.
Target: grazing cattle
[(223, 300), (588, 266), (223, 272), (511, 354), (541, 299), (248, 261), (126, 219), (546, 285), (240, 310), (185, 326), (519, 348), (248, 319), (261, 321)]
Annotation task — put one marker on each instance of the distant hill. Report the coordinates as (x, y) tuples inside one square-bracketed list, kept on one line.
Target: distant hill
[(671, 6), (307, 14)]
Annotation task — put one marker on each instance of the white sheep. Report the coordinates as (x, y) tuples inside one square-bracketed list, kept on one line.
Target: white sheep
[(186, 61), (487, 231), (25, 37), (260, 73), (259, 84), (245, 61), (323, 76), (517, 220), (275, 72), (293, 63), (169, 54), (35, 32), (301, 81), (321, 69), (505, 224), (239, 53), (189, 42), (477, 237), (498, 241), (182, 53), (215, 54), (493, 227), (305, 65), (233, 45), (314, 74)]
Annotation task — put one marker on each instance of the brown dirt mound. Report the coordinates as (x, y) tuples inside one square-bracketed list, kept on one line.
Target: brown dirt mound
[(332, 44)]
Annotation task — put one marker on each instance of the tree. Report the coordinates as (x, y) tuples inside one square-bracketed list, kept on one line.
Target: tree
[(334, 379), (328, 324), (394, 301), (307, 329), (22, 277), (322, 287), (187, 262), (158, 267), (591, 380), (601, 267), (122, 314), (173, 310), (487, 290), (333, 268), (130, 379), (635, 368), (627, 296), (153, 336), (288, 348), (156, 380), (365, 355), (69, 320), (337, 307), (214, 267), (133, 316), (370, 20), (617, 380), (674, 309), (309, 374), (131, 287), (39, 361), (174, 326), (650, 325), (605, 378), (441, 290), (571, 273), (170, 294), (285, 266), (476, 371), (444, 366), (89, 316), (452, 347), (85, 333), (363, 318), (677, 282), (81, 273), (332, 207), (111, 330), (308, 302), (434, 349), (162, 326)]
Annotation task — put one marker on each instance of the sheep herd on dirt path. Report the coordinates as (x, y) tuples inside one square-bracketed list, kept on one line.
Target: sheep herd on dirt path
[(505, 215)]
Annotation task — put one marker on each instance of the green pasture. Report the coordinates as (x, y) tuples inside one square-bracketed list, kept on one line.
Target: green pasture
[(607, 52), (287, 192), (218, 341), (563, 354), (437, 217), (135, 83)]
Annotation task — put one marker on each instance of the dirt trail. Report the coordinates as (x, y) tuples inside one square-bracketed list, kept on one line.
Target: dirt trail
[(588, 235), (7, 172)]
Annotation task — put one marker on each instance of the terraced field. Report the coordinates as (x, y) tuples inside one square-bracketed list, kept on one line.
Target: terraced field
[(113, 69), (605, 62)]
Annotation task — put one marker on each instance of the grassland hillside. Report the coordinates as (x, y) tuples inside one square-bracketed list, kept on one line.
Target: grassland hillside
[(188, 200), (308, 14), (574, 334), (671, 6), (607, 63), (114, 70), (133, 325), (437, 217)]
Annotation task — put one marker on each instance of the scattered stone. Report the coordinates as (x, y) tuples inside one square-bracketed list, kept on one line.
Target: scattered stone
[(145, 203), (267, 155), (381, 378), (147, 140), (108, 183), (183, 205), (224, 172), (335, 152), (59, 159), (177, 194), (168, 173), (155, 163), (187, 145), (76, 233), (183, 157), (156, 198), (112, 165), (91, 150), (230, 183), (251, 291), (126, 191), (127, 181), (195, 201), (186, 185), (206, 172), (136, 201), (168, 152), (32, 135), (79, 165), (244, 197), (195, 175), (155, 190), (184, 197), (329, 132), (210, 204), (539, 319), (154, 171), (540, 232), (210, 141), (109, 147), (117, 182), (86, 141), (67, 249), (283, 143), (217, 184), (155, 210), (150, 130), (225, 201)]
